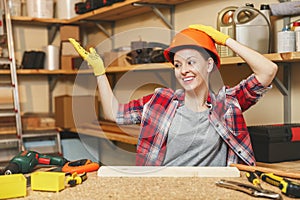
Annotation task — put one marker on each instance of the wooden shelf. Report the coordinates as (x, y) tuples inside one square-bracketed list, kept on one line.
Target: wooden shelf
[(113, 69), (116, 11), (276, 57)]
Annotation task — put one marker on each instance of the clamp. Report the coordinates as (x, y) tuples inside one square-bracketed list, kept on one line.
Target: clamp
[(75, 179)]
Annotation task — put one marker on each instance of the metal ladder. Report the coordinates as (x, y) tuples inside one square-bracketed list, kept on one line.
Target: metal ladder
[(9, 138), (19, 136)]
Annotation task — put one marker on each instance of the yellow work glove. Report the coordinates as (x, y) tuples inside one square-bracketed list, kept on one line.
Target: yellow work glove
[(217, 36), (93, 59)]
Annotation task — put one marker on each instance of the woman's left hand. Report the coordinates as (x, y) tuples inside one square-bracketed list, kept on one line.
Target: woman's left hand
[(217, 36)]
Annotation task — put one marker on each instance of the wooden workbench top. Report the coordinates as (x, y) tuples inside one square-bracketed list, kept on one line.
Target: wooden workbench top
[(96, 187), (147, 188)]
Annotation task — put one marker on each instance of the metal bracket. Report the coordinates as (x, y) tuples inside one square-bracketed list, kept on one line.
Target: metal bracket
[(105, 31), (285, 89), (52, 81), (155, 9), (52, 31)]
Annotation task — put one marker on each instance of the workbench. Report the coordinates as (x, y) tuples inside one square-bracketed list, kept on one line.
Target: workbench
[(96, 187)]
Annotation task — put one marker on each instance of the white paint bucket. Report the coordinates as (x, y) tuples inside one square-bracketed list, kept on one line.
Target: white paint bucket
[(65, 9), (40, 8)]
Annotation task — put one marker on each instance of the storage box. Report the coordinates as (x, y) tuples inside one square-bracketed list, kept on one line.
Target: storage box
[(69, 31), (70, 62), (72, 111), (67, 49), (38, 120), (48, 181), (275, 143), (12, 186)]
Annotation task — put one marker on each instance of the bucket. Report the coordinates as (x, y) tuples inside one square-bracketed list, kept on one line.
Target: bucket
[(40, 8), (65, 9), (252, 28), (14, 7)]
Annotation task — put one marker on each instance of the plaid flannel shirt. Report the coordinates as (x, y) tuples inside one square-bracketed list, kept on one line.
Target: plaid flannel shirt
[(155, 113)]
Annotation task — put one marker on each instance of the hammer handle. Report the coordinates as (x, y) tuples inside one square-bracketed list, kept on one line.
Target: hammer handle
[(241, 167)]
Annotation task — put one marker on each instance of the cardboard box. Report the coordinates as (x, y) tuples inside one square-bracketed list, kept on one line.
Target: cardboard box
[(70, 62), (69, 31), (67, 49), (72, 111)]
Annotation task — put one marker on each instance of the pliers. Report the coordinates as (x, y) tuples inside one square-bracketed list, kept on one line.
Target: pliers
[(255, 191)]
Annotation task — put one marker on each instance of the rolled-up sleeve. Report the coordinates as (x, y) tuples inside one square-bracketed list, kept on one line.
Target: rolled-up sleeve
[(131, 112), (248, 92)]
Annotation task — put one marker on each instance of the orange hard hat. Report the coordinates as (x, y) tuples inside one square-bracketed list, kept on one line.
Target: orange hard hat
[(192, 38)]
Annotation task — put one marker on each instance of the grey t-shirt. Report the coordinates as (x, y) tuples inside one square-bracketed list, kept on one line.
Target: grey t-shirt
[(193, 141)]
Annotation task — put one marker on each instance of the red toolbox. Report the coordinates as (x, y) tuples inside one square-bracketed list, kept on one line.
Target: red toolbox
[(275, 143)]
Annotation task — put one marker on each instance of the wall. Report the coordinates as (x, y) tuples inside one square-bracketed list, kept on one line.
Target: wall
[(268, 110)]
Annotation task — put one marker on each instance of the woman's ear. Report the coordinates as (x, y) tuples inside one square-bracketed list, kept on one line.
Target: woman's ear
[(210, 63)]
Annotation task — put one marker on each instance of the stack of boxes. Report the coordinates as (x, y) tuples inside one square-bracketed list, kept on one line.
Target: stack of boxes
[(69, 59)]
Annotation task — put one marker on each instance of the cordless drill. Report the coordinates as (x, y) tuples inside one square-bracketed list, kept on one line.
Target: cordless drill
[(25, 161)]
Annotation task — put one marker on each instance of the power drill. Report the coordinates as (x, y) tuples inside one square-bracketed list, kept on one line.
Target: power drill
[(25, 161)]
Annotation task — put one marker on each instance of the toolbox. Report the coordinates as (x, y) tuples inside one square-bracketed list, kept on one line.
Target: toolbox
[(275, 143)]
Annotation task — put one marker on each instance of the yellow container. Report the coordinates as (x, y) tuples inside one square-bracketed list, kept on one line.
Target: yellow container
[(48, 181), (12, 186)]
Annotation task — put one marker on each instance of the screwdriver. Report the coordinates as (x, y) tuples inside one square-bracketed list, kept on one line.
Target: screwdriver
[(253, 178), (287, 187)]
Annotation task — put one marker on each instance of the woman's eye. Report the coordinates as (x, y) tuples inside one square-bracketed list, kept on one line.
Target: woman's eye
[(191, 62), (176, 65)]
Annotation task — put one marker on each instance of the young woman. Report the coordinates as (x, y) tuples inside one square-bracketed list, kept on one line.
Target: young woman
[(192, 126)]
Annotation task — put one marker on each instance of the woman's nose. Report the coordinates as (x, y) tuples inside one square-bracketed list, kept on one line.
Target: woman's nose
[(185, 68)]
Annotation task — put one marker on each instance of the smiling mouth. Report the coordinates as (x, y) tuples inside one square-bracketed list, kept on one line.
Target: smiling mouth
[(188, 79)]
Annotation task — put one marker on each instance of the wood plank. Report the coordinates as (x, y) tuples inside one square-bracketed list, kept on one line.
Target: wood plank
[(146, 171)]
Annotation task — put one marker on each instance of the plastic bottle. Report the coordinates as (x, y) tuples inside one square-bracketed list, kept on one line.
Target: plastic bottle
[(226, 25), (253, 28), (296, 29), (265, 9)]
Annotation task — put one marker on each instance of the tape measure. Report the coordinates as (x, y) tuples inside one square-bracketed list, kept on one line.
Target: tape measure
[(80, 166)]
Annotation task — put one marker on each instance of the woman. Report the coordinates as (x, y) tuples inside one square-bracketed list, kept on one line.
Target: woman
[(192, 126)]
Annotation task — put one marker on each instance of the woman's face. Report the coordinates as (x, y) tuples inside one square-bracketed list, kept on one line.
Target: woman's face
[(191, 69)]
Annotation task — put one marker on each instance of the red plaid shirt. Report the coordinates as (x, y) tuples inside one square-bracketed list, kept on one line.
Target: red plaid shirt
[(155, 113)]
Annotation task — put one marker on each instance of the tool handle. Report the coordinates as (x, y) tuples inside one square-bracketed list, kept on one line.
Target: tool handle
[(51, 160), (290, 188), (253, 178), (270, 178), (241, 167)]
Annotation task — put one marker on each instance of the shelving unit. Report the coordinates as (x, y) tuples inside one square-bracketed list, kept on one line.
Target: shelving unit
[(130, 8)]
